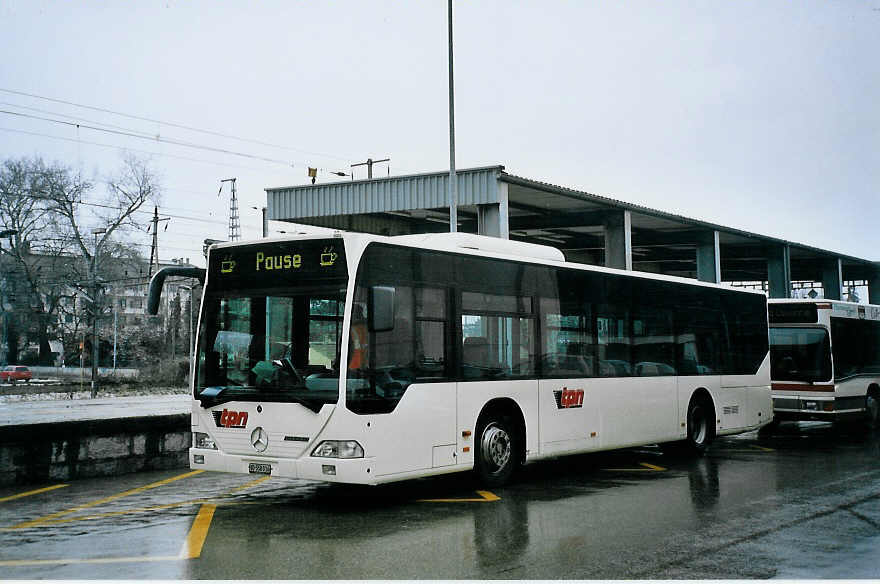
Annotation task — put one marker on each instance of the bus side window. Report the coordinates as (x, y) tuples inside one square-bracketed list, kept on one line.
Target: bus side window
[(653, 343), (507, 324), (699, 344), (567, 342), (614, 341), (430, 333)]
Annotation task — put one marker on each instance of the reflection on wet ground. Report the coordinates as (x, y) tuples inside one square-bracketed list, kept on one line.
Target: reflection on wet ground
[(798, 503)]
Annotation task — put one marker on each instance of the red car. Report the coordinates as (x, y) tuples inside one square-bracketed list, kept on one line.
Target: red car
[(13, 373)]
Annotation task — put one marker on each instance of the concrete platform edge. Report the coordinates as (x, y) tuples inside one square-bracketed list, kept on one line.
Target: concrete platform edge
[(46, 452)]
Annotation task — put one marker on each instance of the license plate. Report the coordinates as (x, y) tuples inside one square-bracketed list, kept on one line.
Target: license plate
[(258, 468)]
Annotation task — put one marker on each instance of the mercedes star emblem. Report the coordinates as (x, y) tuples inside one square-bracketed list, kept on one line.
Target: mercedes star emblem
[(259, 439)]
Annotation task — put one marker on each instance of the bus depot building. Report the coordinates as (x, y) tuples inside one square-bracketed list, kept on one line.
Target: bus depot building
[(587, 228)]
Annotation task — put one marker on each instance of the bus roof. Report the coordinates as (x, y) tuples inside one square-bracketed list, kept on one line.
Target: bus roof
[(482, 246)]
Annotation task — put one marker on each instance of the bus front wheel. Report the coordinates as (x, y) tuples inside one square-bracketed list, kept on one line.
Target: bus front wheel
[(498, 450)]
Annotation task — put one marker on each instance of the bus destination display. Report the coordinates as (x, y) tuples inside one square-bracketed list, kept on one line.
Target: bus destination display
[(271, 264), (795, 312)]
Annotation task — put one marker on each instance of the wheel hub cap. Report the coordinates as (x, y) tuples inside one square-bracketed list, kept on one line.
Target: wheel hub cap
[(496, 447)]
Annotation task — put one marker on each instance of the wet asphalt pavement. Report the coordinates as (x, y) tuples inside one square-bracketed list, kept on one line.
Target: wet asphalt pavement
[(802, 503)]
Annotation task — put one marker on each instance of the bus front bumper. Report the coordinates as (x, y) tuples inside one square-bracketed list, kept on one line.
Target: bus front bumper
[(353, 471)]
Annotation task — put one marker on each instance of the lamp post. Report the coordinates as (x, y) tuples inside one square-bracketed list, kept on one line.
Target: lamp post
[(96, 232), (265, 220)]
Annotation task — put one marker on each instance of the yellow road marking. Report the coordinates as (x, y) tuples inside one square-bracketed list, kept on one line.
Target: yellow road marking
[(115, 513), (752, 448), (25, 563), (192, 547), (250, 484), (646, 468), (29, 493), (485, 496), (94, 516), (48, 518)]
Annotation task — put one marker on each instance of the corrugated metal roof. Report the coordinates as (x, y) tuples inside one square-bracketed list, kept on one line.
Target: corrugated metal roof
[(609, 202), (475, 186), (400, 193)]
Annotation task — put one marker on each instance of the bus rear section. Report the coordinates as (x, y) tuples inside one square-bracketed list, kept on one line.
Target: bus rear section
[(825, 360)]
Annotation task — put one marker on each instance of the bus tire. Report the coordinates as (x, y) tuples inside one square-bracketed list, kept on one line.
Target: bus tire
[(872, 409), (700, 425), (700, 430), (498, 450)]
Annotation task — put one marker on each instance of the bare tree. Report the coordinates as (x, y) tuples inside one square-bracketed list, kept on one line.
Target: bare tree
[(37, 261), (61, 240), (95, 229)]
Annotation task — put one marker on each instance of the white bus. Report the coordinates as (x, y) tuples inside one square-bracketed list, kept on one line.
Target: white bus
[(825, 360), (369, 359)]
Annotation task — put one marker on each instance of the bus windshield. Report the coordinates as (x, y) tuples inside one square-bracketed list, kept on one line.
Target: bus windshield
[(799, 354), (281, 347)]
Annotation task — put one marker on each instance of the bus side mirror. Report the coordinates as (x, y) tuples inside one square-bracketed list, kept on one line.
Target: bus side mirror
[(381, 309)]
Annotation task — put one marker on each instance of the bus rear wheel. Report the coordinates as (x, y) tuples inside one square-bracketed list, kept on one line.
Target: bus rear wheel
[(497, 450), (700, 430), (700, 427)]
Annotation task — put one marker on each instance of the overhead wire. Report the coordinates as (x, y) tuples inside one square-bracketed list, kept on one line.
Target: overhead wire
[(144, 136), (174, 125), (125, 148), (127, 132)]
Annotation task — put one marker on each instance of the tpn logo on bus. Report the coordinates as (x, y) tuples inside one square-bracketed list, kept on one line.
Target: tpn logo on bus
[(230, 419), (569, 398)]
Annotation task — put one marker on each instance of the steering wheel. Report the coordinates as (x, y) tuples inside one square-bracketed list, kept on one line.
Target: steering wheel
[(286, 364)]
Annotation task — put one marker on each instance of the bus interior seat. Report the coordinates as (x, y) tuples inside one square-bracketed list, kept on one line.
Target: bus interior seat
[(475, 351), (475, 357)]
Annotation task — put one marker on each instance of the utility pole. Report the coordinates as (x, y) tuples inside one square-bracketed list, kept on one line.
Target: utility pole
[(369, 164), (115, 321), (154, 249), (95, 343), (234, 225), (3, 278)]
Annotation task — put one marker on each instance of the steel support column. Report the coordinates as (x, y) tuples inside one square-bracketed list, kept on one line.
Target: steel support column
[(709, 258), (832, 279), (493, 218), (779, 271), (618, 240)]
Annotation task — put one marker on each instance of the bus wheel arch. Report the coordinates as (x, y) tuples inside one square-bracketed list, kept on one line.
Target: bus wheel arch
[(500, 441)]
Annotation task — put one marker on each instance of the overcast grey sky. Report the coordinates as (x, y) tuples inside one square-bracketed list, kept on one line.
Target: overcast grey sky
[(759, 115)]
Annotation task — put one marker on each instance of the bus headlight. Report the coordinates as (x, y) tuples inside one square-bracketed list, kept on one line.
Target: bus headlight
[(338, 449), (202, 440)]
